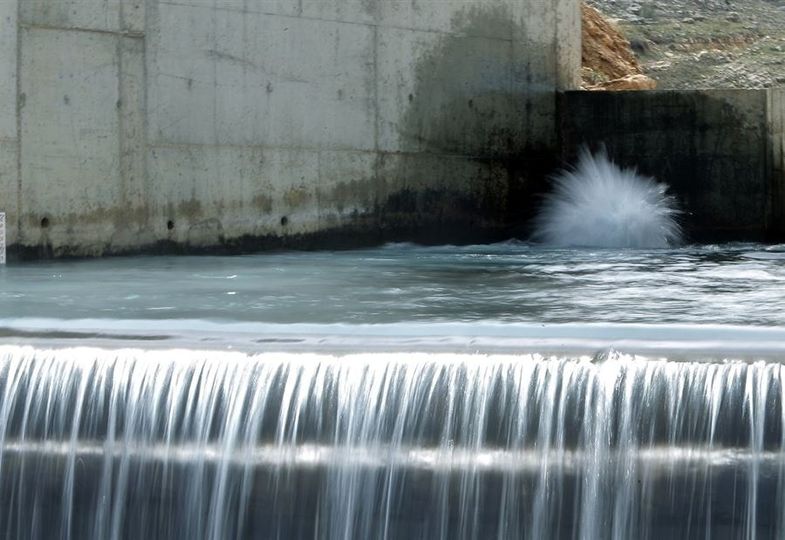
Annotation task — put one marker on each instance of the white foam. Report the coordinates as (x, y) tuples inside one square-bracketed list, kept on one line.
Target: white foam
[(599, 204)]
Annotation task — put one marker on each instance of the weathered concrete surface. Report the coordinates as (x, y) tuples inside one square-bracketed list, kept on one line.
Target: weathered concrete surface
[(70, 166), (9, 141), (131, 124), (775, 111), (720, 151)]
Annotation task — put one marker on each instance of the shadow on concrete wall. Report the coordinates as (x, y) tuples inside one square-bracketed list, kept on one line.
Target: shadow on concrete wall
[(477, 138), (709, 146)]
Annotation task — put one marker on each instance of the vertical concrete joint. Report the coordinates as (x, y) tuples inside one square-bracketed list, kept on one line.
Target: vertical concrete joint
[(18, 103), (568, 44), (775, 149)]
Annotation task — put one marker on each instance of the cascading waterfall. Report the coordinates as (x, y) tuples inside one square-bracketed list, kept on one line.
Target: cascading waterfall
[(185, 444)]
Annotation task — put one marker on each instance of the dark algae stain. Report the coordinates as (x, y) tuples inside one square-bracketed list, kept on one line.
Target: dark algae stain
[(475, 142), (469, 110)]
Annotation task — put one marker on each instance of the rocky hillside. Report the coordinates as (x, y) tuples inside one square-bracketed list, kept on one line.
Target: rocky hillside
[(608, 60), (704, 43)]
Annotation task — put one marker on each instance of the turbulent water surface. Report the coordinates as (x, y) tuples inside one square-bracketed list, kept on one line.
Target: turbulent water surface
[(401, 392), (505, 283), (598, 203)]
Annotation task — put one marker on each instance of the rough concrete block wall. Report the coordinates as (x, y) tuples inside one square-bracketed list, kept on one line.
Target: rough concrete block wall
[(248, 123), (70, 167), (9, 140), (712, 147), (79, 109), (776, 137)]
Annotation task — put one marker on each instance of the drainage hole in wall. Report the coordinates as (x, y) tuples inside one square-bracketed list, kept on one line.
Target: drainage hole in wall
[(45, 223), (170, 224), (284, 221)]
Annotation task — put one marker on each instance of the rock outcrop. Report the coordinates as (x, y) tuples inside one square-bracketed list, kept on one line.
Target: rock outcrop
[(630, 82), (608, 60), (687, 44)]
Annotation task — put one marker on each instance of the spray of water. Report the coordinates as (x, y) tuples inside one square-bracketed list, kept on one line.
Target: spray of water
[(599, 204)]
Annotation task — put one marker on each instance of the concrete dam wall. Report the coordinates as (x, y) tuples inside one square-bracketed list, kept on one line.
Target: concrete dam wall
[(130, 125)]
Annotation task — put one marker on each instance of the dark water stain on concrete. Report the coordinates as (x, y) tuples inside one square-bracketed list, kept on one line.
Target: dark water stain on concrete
[(263, 203), (190, 209), (468, 102), (476, 142), (296, 197)]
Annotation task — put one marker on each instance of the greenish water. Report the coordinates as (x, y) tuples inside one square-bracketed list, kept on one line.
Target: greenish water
[(509, 294), (404, 392)]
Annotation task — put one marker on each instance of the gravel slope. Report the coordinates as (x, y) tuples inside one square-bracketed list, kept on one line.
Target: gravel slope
[(705, 43)]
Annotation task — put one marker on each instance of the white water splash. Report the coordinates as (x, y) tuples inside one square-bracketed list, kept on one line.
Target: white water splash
[(599, 204)]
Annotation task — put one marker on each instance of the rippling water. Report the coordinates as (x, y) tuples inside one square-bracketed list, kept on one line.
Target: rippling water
[(510, 282), (510, 289), (370, 397)]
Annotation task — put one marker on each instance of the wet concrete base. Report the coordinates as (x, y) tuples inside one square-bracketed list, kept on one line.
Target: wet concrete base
[(196, 500)]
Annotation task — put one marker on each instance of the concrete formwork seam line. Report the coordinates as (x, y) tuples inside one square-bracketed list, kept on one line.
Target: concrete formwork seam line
[(2, 238)]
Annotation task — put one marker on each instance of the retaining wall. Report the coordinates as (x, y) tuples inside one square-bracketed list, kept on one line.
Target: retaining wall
[(720, 151), (128, 125)]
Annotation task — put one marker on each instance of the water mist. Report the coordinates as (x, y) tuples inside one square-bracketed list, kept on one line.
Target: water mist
[(599, 204)]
